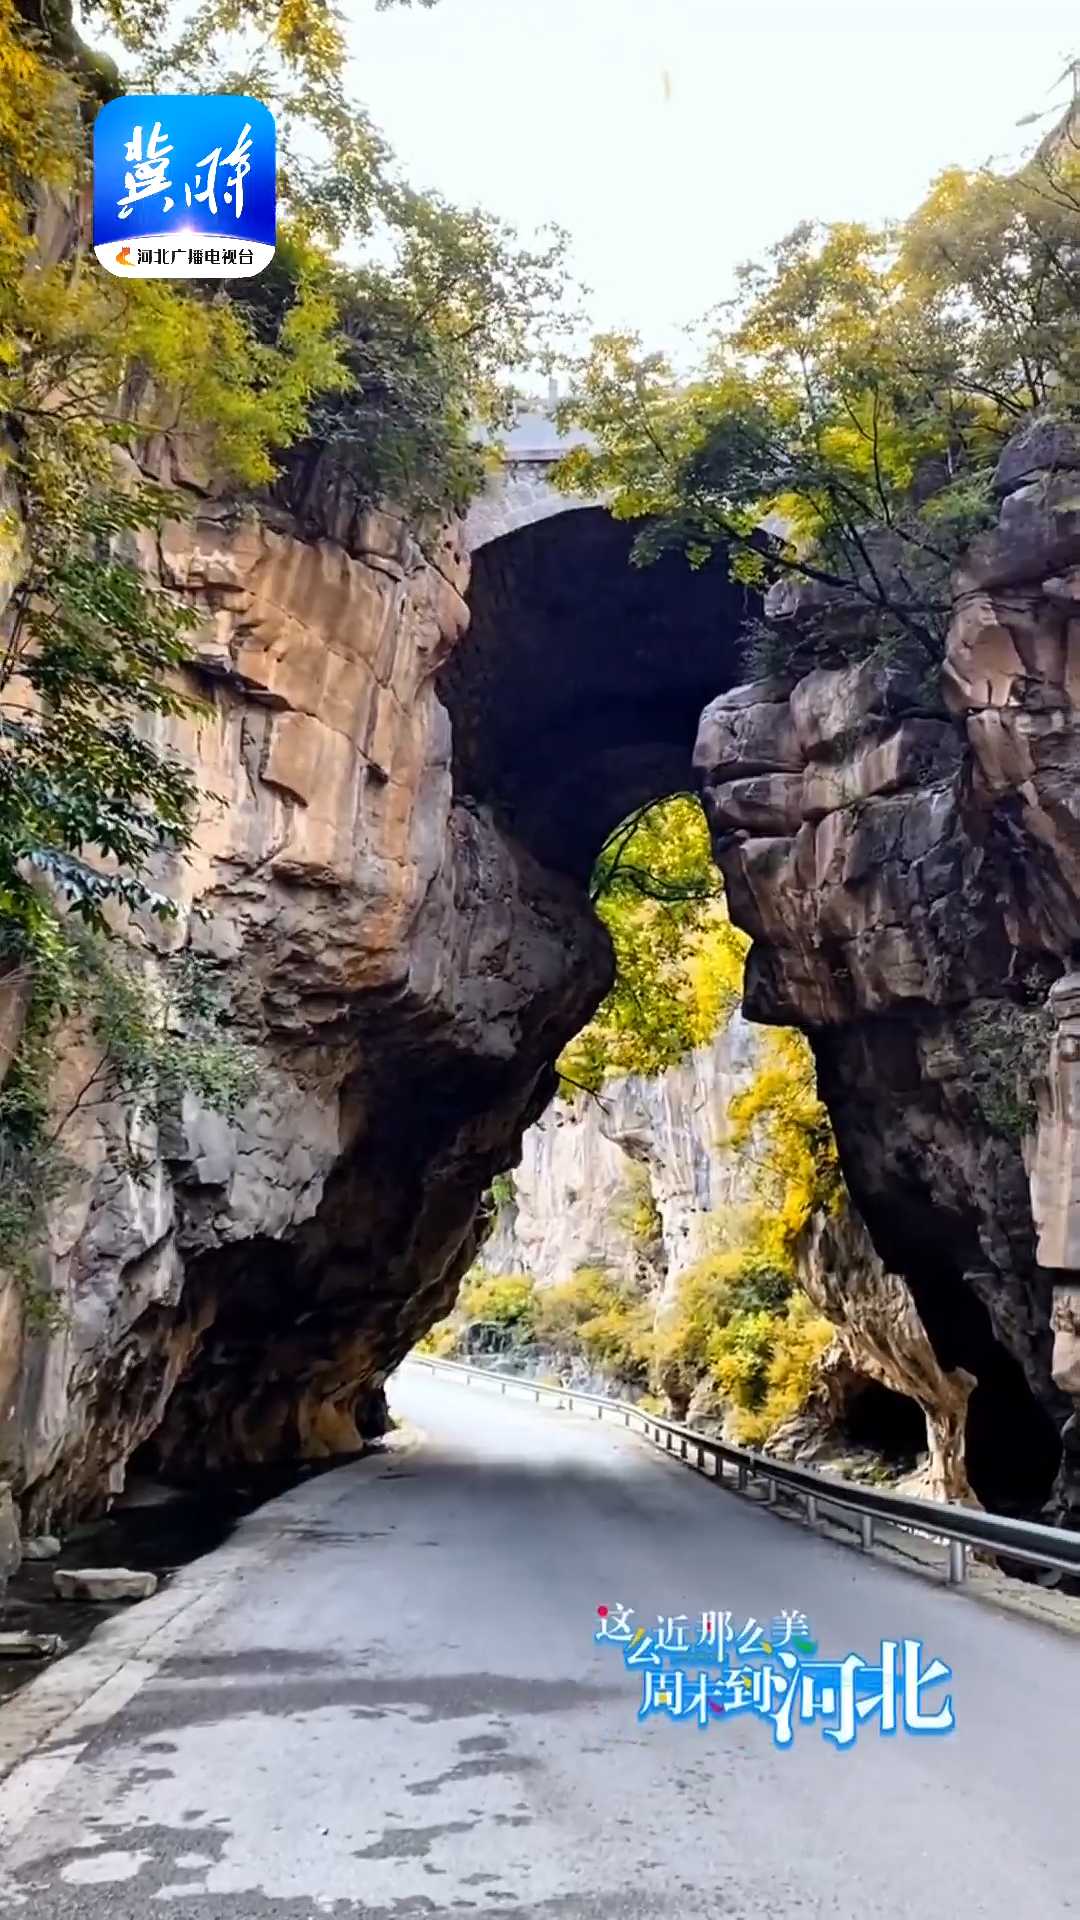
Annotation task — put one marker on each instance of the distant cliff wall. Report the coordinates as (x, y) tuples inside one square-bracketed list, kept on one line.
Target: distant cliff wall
[(587, 1160)]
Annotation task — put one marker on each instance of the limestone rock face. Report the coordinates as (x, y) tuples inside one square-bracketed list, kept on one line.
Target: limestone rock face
[(569, 1210), (10, 1555), (405, 973), (881, 1337), (910, 913), (575, 1185), (1055, 1170)]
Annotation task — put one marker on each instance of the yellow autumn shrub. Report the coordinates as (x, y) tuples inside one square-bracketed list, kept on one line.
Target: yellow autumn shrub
[(764, 1362), (599, 1316)]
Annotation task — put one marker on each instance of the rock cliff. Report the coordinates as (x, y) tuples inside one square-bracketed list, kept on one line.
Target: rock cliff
[(406, 973), (587, 1164), (405, 944), (395, 907), (907, 861), (585, 1167)]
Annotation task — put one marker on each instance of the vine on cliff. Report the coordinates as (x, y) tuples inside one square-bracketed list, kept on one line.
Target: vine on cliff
[(150, 1038), (1008, 1047)]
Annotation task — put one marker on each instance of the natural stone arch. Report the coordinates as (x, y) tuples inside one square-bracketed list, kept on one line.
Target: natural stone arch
[(573, 700), (574, 697), (409, 980)]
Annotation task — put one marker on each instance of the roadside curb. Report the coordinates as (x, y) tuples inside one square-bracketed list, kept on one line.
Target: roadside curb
[(44, 1727)]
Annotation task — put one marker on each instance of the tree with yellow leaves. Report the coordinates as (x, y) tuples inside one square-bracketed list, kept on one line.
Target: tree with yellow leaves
[(379, 368), (678, 959), (850, 403)]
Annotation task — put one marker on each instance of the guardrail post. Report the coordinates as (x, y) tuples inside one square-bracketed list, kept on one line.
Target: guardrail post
[(1041, 1545)]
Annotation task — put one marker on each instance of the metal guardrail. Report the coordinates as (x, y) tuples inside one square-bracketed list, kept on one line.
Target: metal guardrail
[(960, 1528)]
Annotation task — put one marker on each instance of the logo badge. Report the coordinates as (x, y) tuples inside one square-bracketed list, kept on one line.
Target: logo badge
[(185, 186)]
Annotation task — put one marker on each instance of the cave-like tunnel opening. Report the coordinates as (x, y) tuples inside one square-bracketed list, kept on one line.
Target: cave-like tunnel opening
[(576, 695), (574, 701), (890, 1423), (1012, 1444)]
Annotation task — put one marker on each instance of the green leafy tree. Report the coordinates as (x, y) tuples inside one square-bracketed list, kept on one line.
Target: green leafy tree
[(240, 380), (86, 799), (598, 1316), (426, 349), (851, 401), (781, 1122), (678, 959), (507, 1301), (738, 1319)]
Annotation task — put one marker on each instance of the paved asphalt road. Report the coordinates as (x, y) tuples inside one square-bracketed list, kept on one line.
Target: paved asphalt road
[(382, 1698)]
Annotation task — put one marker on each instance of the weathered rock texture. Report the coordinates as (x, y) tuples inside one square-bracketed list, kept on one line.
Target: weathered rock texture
[(880, 1338), (406, 973), (395, 906), (9, 1538), (388, 879), (394, 901), (585, 1167), (909, 868), (588, 1164), (1055, 1180)]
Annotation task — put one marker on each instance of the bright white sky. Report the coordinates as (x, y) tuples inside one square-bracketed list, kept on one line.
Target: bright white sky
[(675, 138)]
